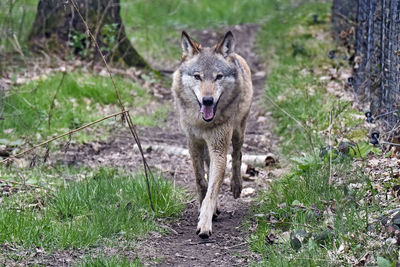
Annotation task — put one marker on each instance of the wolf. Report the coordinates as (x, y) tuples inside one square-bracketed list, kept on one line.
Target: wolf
[(213, 91)]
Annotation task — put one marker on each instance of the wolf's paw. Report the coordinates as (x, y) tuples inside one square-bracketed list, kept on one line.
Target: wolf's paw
[(203, 234), (204, 230), (236, 189)]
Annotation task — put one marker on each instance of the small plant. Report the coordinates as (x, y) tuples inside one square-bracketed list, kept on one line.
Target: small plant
[(80, 43), (109, 33)]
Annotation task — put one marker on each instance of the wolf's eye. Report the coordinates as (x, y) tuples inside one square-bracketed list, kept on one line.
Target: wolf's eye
[(219, 77), (197, 77)]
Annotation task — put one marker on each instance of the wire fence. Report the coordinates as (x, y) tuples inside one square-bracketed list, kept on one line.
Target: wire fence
[(373, 28)]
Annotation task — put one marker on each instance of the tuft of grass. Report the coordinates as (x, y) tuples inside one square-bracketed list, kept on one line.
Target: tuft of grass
[(105, 204), (81, 98), (103, 261)]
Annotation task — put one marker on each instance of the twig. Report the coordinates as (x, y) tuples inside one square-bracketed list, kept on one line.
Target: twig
[(287, 113), (62, 135), (330, 147), (54, 98), (389, 143), (17, 47), (126, 116), (24, 184), (169, 228)]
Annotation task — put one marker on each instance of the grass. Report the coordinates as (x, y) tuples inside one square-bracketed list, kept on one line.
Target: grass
[(154, 27), (327, 216), (307, 215), (294, 54), (103, 261), (81, 98), (104, 205), (16, 17)]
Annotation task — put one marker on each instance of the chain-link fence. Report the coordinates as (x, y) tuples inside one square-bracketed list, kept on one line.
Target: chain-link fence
[(373, 26)]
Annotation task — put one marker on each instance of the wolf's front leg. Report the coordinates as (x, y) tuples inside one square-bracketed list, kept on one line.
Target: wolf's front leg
[(196, 150), (218, 151)]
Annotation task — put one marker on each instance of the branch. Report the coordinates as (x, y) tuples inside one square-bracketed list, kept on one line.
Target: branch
[(59, 136), (126, 116)]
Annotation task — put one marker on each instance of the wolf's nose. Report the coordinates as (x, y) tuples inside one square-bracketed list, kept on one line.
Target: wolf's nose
[(208, 100)]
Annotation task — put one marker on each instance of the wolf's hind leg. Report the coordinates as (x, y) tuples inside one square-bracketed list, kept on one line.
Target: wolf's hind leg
[(237, 143), (196, 150)]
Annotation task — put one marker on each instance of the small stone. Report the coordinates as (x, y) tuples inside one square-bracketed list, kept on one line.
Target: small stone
[(262, 119), (248, 191), (260, 74)]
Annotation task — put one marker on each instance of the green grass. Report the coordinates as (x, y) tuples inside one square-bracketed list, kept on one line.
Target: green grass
[(82, 98), (16, 17), (102, 261), (293, 54), (104, 205), (155, 26)]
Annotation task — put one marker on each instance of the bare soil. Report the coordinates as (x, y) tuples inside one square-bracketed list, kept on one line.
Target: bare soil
[(228, 246)]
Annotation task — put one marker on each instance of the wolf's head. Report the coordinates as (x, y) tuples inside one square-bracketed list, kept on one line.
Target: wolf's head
[(208, 73)]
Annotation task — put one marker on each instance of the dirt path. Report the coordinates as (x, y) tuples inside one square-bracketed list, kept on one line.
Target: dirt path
[(227, 246)]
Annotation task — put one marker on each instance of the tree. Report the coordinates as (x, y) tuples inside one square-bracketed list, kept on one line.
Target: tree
[(58, 27)]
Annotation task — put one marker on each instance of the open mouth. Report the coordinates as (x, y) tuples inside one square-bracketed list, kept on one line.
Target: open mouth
[(208, 112)]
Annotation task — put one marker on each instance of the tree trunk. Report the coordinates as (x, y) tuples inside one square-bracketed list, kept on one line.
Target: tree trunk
[(58, 28)]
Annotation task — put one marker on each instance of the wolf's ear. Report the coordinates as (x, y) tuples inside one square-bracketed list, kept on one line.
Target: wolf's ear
[(189, 46), (227, 45)]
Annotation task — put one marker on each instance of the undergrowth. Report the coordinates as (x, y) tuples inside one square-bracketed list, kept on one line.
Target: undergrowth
[(321, 205)]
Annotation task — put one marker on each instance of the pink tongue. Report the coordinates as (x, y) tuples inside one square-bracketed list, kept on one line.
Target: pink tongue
[(208, 112)]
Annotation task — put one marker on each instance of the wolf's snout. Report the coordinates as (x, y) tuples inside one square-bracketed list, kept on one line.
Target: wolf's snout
[(208, 101)]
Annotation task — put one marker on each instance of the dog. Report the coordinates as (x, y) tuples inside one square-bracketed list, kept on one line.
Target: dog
[(213, 91)]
